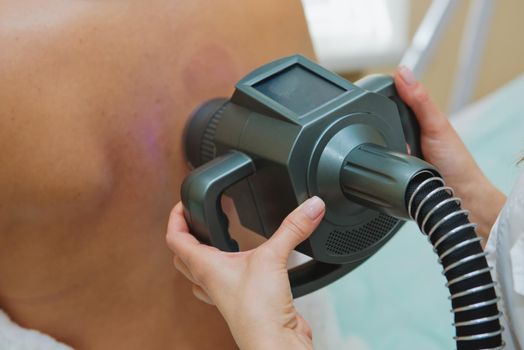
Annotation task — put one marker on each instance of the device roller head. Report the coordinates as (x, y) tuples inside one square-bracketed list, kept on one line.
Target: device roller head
[(200, 130)]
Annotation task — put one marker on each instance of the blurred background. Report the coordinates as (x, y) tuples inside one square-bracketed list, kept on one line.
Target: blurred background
[(470, 56), (358, 37), (501, 60)]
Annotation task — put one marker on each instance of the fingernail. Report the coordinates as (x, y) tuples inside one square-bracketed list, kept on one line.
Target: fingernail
[(407, 75), (313, 207)]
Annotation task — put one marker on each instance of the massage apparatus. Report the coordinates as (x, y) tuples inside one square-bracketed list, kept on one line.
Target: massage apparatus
[(292, 130)]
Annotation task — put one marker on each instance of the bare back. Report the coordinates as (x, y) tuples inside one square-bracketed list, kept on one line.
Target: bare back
[(94, 96)]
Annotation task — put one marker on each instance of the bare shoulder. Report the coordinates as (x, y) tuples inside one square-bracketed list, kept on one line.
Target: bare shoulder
[(91, 88), (94, 96)]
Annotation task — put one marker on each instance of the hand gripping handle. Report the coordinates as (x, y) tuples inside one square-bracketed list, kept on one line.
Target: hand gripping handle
[(201, 193), (385, 85)]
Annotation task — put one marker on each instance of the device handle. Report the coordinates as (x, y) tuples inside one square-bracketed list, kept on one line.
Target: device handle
[(385, 85), (201, 194)]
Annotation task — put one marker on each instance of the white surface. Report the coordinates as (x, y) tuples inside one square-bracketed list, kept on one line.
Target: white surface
[(13, 337), (355, 34)]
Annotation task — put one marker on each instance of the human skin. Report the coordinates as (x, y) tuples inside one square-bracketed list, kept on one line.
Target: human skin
[(232, 281), (94, 97)]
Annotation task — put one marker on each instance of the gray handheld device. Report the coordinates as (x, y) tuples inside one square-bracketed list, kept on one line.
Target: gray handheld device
[(285, 135), (293, 129)]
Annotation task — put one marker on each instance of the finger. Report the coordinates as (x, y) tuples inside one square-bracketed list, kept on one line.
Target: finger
[(200, 294), (182, 268), (303, 327), (181, 243), (177, 221), (178, 237), (193, 259), (296, 227), (193, 253), (416, 96)]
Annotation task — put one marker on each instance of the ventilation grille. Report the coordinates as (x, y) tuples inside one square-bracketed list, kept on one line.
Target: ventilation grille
[(351, 241)]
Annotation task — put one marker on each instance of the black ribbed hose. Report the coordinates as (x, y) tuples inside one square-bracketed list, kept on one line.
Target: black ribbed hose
[(474, 301)]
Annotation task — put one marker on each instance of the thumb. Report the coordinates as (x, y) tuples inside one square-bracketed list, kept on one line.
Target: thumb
[(297, 227), (413, 93)]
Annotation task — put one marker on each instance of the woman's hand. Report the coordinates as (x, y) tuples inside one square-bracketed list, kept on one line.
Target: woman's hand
[(251, 289), (443, 148)]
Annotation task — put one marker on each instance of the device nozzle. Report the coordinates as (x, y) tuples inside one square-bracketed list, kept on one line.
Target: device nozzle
[(378, 178)]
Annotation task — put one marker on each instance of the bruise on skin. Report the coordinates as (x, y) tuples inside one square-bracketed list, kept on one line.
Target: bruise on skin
[(210, 71)]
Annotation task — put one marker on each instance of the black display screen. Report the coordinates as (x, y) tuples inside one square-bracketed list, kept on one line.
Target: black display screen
[(299, 89)]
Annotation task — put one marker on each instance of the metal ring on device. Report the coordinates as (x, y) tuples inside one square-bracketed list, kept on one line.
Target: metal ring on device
[(480, 336), (452, 232), (446, 218), (426, 198), (477, 305), (478, 320), (469, 275), (472, 290), (419, 187), (463, 261), (460, 245), (437, 207)]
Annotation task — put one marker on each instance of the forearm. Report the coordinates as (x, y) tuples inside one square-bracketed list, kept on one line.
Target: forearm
[(484, 201)]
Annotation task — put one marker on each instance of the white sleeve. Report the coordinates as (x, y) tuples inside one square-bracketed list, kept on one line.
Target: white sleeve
[(506, 255)]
